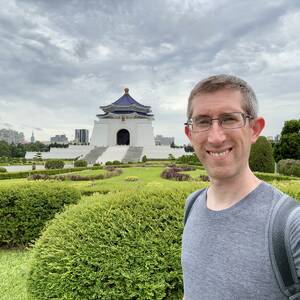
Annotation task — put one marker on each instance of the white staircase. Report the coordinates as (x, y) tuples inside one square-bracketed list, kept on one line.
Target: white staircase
[(113, 153)]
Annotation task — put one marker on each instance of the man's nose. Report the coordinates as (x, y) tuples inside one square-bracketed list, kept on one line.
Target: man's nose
[(216, 133)]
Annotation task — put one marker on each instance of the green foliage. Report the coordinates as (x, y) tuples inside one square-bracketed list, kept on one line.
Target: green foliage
[(25, 174), (54, 164), (188, 159), (171, 157), (80, 163), (144, 158), (5, 149), (24, 210), (290, 167), (288, 146), (2, 170), (121, 246), (76, 177), (131, 178), (261, 156)]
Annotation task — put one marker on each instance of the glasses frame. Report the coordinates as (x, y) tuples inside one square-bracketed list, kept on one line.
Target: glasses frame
[(189, 123)]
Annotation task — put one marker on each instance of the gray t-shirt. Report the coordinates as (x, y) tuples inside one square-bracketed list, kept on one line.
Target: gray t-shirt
[(225, 253)]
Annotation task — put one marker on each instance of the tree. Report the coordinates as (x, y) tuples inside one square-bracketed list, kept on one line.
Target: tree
[(288, 146), (5, 149), (261, 156)]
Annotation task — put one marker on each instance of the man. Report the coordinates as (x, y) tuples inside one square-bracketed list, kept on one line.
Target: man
[(225, 244)]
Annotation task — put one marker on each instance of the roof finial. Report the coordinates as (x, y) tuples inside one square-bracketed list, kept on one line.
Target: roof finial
[(126, 90)]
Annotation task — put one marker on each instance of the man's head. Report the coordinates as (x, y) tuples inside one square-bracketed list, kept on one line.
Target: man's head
[(223, 82), (222, 125)]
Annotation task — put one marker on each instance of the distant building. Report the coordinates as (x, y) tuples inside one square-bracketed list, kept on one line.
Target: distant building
[(81, 136), (59, 139), (11, 136), (32, 139), (270, 138), (163, 140)]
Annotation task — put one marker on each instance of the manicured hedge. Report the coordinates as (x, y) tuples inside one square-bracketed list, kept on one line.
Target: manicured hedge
[(54, 164), (270, 177), (80, 163), (25, 174), (119, 246), (114, 172), (2, 170), (290, 167), (24, 210)]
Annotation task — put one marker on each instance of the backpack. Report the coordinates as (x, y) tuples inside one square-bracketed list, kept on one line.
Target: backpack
[(279, 250)]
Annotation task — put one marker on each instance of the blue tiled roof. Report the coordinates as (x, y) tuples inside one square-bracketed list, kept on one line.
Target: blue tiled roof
[(126, 100)]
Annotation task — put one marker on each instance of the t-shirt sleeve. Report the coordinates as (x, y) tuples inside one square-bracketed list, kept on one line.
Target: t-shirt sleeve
[(295, 239)]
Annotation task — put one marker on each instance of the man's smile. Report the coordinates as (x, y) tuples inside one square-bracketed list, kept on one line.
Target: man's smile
[(220, 153)]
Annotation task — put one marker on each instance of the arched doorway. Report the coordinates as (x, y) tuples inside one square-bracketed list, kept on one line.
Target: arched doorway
[(123, 137)]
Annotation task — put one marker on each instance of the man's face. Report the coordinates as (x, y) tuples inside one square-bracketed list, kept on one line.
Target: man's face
[(223, 152)]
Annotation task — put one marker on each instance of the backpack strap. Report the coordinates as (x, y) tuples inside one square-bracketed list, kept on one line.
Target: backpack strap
[(279, 247), (190, 202)]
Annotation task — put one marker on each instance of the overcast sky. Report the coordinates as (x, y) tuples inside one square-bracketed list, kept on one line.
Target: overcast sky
[(60, 60)]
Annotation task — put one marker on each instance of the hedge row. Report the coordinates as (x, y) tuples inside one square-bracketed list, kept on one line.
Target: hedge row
[(80, 163), (270, 177), (25, 174), (121, 246), (71, 177), (290, 167), (24, 210), (54, 164)]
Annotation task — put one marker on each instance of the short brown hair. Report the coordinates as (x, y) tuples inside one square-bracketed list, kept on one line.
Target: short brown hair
[(223, 81)]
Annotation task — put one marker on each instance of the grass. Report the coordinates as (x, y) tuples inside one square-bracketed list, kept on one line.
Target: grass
[(13, 272)]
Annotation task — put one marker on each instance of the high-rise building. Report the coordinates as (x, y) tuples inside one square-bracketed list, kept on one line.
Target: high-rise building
[(81, 136), (11, 136), (32, 139), (59, 139)]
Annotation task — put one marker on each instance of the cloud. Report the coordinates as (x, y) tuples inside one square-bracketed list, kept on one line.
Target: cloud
[(61, 60)]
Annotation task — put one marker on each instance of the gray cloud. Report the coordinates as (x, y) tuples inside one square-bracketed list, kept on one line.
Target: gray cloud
[(61, 60)]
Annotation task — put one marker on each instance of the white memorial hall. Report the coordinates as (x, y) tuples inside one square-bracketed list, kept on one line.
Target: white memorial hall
[(124, 132)]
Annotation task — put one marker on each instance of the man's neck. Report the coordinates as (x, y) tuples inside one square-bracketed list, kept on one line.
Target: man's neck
[(225, 193)]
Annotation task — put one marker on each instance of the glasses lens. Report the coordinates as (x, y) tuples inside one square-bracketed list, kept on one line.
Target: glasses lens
[(201, 123), (232, 120)]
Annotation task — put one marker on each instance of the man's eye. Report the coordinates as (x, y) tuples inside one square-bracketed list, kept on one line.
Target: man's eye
[(202, 121), (229, 118)]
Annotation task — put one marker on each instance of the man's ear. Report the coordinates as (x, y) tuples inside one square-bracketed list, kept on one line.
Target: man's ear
[(257, 125), (187, 132)]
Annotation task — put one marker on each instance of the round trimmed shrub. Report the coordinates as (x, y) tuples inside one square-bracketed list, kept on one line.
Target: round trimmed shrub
[(119, 246), (2, 170), (25, 209), (54, 164), (80, 163)]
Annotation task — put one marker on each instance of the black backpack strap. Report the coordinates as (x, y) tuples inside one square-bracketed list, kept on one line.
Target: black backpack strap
[(190, 202), (279, 247)]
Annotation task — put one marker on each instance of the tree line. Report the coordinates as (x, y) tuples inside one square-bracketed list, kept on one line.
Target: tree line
[(19, 150)]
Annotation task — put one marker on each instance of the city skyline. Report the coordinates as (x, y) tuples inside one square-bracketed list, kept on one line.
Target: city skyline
[(62, 60)]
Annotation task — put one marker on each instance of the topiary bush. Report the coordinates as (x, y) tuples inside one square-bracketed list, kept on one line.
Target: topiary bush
[(24, 210), (54, 164), (290, 167), (261, 156), (80, 163), (2, 170), (120, 246), (172, 173)]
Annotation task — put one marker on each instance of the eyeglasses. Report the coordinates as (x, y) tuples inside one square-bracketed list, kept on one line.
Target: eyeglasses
[(231, 120)]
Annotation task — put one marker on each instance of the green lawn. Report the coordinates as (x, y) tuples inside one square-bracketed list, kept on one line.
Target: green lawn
[(13, 273)]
